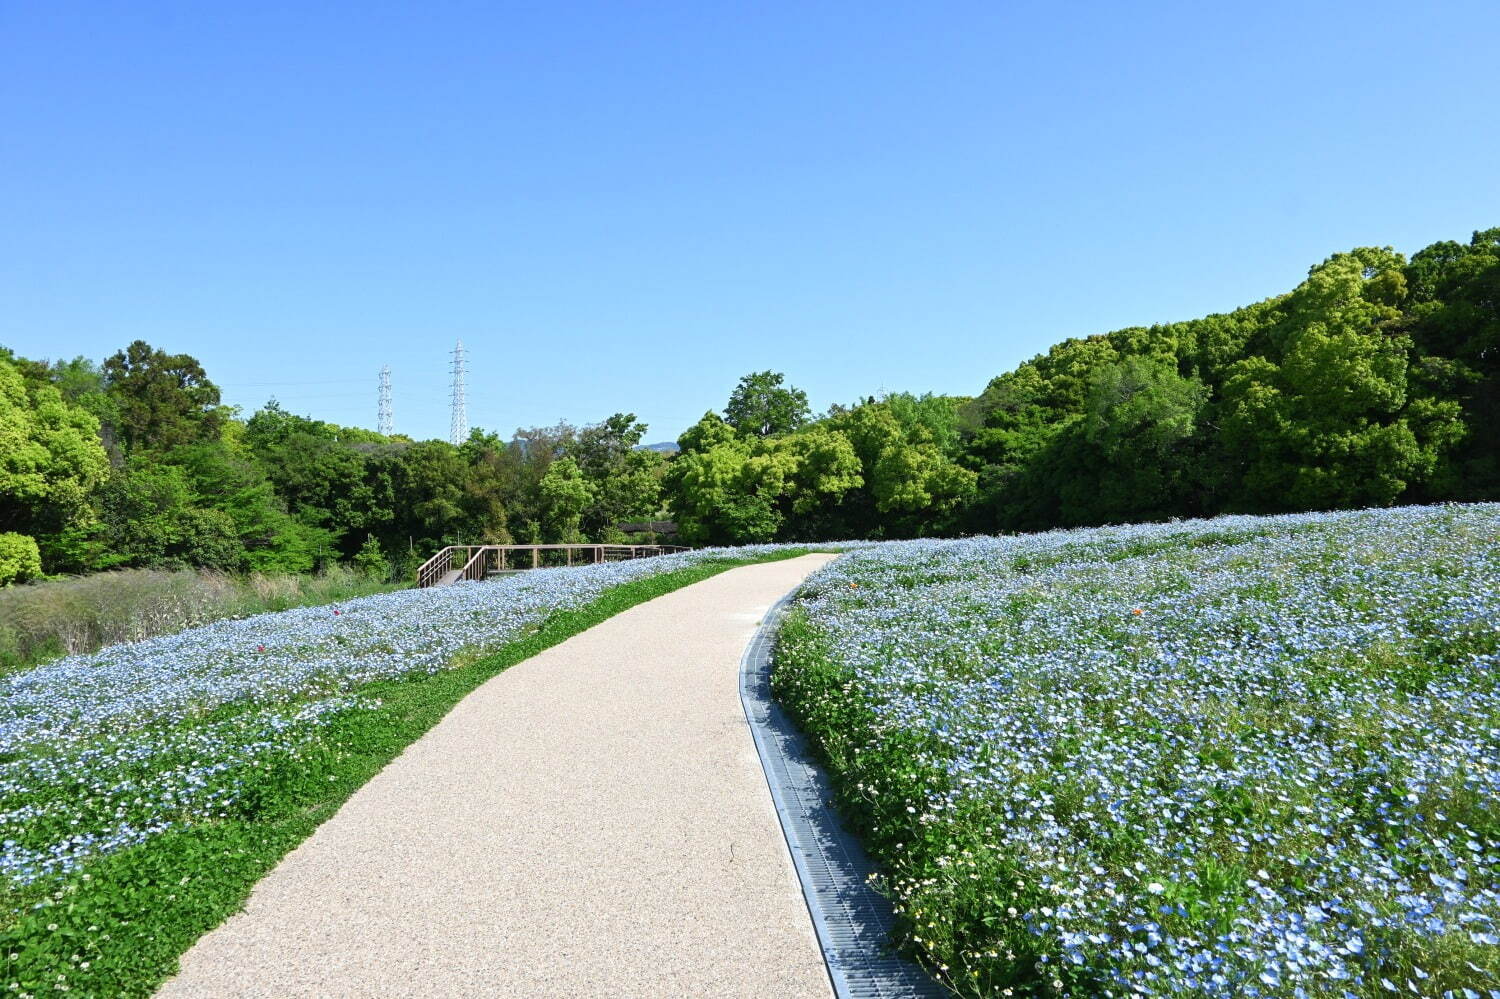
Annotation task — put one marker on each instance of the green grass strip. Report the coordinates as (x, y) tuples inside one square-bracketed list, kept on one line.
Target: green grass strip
[(117, 927)]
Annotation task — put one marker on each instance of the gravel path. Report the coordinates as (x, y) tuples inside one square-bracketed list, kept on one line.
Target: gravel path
[(591, 822)]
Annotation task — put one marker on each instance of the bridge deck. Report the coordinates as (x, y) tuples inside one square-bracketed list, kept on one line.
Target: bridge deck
[(459, 562)]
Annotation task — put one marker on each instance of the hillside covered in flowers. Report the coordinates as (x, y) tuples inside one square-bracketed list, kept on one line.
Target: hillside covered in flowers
[(1232, 757)]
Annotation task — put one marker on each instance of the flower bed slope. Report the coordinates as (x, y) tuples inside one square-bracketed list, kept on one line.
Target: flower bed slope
[(1239, 757), (107, 750)]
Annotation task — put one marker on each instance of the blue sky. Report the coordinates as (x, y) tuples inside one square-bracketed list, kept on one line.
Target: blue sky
[(628, 206)]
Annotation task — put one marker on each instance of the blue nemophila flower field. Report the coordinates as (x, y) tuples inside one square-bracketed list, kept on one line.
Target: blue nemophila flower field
[(1238, 757), (105, 751)]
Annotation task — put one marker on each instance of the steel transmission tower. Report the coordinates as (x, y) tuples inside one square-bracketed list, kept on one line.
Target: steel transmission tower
[(384, 423), (458, 429)]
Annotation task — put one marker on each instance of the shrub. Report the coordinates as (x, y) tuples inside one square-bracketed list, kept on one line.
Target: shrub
[(19, 559), (372, 561)]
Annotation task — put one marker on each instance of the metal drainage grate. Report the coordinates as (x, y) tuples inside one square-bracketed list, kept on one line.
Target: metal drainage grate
[(852, 920)]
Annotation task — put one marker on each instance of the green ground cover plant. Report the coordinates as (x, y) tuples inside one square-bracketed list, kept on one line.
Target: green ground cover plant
[(179, 843), (1244, 757)]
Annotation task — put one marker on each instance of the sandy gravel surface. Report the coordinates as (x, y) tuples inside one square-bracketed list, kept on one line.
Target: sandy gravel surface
[(591, 822)]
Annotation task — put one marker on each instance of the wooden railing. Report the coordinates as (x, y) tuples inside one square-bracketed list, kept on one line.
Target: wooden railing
[(460, 562)]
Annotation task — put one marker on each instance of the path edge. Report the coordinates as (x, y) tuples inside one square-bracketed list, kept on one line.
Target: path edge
[(852, 920)]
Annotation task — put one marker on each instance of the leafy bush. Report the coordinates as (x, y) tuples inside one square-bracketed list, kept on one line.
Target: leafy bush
[(371, 561), (19, 559)]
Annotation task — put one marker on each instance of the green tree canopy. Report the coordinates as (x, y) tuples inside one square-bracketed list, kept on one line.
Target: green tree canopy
[(566, 494), (761, 406), (51, 458), (626, 481), (164, 400)]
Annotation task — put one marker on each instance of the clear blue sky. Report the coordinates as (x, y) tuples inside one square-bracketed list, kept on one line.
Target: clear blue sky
[(628, 206)]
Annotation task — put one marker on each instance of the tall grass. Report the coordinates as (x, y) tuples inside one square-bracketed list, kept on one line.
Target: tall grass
[(41, 621)]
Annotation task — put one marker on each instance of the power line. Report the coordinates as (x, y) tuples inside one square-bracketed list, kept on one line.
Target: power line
[(276, 384)]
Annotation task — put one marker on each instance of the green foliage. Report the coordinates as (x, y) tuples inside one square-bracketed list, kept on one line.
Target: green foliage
[(626, 481), (825, 468), (163, 400), (931, 418), (19, 558), (761, 407), (51, 458), (1374, 381), (148, 517), (565, 495), (371, 561), (724, 494), (429, 479), (1140, 407), (708, 433), (861, 471), (1128, 456), (1320, 423)]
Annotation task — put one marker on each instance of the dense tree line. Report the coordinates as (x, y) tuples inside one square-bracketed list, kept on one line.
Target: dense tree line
[(1375, 381), (135, 462)]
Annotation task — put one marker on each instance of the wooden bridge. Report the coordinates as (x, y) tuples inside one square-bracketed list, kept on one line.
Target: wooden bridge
[(459, 562)]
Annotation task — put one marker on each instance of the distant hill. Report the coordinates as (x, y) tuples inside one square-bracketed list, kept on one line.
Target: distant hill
[(665, 447)]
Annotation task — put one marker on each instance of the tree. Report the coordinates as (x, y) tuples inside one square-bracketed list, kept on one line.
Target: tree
[(164, 400), (1453, 318), (371, 561), (626, 481), (1140, 407), (488, 492), (148, 518), (761, 407), (51, 459), (728, 493), (933, 418), (237, 486), (336, 483), (1140, 453), (1322, 425), (825, 468), (565, 495), (916, 480), (430, 484), (709, 432)]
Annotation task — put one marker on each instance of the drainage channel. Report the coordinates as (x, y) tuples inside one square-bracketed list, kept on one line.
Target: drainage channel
[(853, 921)]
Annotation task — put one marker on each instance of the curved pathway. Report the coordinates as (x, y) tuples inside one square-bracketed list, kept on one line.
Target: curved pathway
[(593, 821)]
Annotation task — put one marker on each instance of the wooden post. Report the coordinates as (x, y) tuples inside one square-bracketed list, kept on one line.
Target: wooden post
[(570, 557), (536, 555)]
